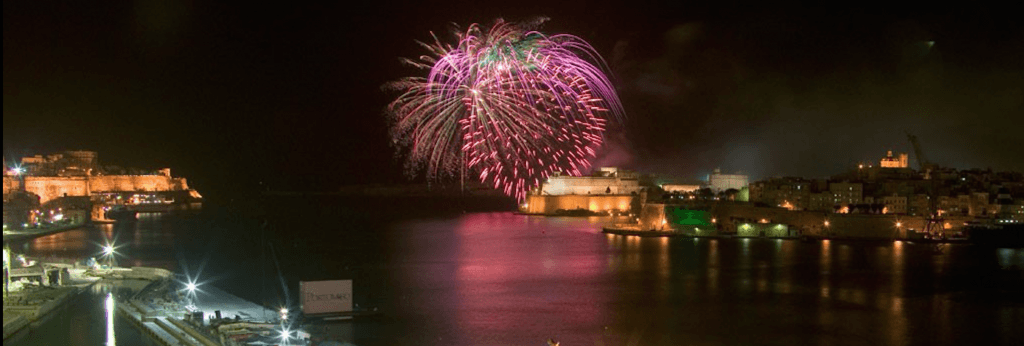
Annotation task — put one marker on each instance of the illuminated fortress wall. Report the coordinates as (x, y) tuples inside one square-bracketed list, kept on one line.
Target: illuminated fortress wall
[(11, 184), (652, 216), (49, 188), (115, 183), (539, 204)]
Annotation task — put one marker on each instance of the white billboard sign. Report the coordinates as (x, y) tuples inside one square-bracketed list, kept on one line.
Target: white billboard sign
[(320, 297)]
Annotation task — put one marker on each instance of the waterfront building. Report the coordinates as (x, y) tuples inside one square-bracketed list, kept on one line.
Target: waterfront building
[(979, 205), (608, 190), (607, 180), (789, 193), (719, 182), (680, 188), (820, 201), (949, 205), (19, 209), (1011, 211), (78, 174), (895, 204), (66, 164), (49, 188), (920, 204), (846, 193), (964, 202)]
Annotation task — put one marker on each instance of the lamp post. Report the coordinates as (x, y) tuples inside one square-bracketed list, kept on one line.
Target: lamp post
[(190, 292), (7, 269), (108, 252), (285, 335)]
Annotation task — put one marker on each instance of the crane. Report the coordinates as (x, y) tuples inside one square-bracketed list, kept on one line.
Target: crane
[(918, 154), (934, 221)]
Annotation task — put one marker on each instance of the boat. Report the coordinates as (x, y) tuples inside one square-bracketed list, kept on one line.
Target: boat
[(578, 212), (121, 213), (1003, 235)]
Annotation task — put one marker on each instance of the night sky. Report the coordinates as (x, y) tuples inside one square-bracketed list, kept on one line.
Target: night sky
[(230, 96)]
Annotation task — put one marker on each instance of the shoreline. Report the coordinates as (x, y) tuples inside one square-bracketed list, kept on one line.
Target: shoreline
[(18, 235), (23, 316), (669, 234), (146, 309)]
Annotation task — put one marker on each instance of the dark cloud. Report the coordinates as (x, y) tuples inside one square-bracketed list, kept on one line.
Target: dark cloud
[(785, 94), (290, 94)]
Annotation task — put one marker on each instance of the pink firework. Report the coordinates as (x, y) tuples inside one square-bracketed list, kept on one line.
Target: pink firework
[(508, 104)]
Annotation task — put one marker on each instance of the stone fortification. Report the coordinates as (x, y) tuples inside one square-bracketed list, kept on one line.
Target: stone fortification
[(49, 188), (543, 204)]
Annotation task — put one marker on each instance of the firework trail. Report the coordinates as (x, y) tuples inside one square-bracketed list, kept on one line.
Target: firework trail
[(507, 103)]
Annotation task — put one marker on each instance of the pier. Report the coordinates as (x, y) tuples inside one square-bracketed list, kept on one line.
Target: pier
[(152, 307)]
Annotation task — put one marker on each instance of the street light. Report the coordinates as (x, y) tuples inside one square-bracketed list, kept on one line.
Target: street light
[(190, 293), (285, 335), (109, 252), (7, 268)]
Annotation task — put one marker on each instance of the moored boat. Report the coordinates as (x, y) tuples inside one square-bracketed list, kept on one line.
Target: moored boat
[(1008, 235)]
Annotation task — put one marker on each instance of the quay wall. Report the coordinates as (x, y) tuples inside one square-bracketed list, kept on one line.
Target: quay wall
[(14, 324), (150, 273), (746, 219), (544, 204)]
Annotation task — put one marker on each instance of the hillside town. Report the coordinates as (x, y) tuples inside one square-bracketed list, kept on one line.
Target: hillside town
[(72, 187)]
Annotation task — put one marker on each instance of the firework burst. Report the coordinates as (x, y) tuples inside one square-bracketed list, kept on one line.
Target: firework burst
[(508, 104)]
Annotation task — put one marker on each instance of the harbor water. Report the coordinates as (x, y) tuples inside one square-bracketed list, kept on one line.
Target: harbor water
[(441, 276)]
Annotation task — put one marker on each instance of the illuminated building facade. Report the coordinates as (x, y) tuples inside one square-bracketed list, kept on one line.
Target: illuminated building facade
[(609, 190), (895, 204), (680, 188), (890, 161), (77, 173), (846, 193), (608, 180), (66, 164), (719, 182)]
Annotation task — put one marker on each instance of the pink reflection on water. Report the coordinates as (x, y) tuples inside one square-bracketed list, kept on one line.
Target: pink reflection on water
[(502, 264)]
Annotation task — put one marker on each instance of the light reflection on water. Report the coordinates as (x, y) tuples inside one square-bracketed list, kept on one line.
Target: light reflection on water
[(148, 241), (504, 279), (88, 319), (109, 307), (664, 287)]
